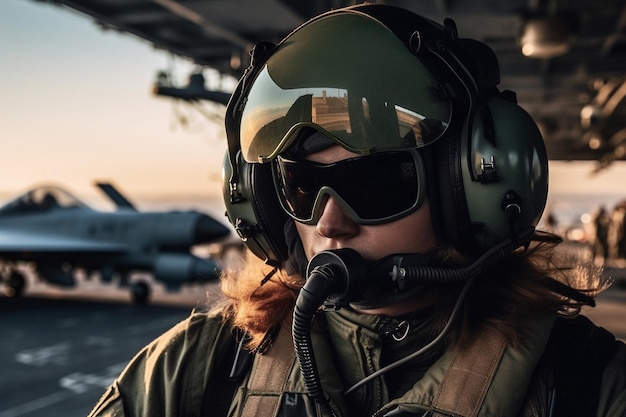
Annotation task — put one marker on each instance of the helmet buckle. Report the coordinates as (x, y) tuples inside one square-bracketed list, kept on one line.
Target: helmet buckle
[(488, 171), (235, 194), (244, 229)]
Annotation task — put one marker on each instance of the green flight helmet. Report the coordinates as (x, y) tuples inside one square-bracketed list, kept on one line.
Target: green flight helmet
[(505, 173), (376, 78)]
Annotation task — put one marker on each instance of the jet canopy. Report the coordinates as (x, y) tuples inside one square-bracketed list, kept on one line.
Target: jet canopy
[(41, 199)]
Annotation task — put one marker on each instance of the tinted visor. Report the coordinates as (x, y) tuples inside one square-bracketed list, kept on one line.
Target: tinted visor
[(349, 76), (372, 189)]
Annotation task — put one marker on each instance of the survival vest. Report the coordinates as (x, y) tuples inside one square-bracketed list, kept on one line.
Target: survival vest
[(578, 350)]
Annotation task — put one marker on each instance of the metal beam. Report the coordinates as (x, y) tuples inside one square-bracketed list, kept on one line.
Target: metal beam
[(209, 27)]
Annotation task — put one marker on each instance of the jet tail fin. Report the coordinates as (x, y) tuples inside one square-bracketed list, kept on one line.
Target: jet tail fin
[(115, 196)]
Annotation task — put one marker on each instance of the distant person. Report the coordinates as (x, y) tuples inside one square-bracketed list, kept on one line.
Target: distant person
[(551, 222), (48, 201), (393, 192), (600, 247), (617, 233)]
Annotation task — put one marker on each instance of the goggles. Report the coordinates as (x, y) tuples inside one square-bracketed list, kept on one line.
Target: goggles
[(372, 189), (363, 87)]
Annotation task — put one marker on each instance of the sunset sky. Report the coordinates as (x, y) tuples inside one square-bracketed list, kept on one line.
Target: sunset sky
[(76, 106)]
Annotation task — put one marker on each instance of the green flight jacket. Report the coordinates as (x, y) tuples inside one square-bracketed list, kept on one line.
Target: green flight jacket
[(169, 377)]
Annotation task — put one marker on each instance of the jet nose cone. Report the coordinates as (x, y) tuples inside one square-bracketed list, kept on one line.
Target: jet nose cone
[(206, 270), (208, 230)]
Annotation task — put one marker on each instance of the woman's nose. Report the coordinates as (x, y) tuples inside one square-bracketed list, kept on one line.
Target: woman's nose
[(335, 222)]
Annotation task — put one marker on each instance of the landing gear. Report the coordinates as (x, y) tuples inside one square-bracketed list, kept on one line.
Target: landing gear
[(140, 292), (15, 284)]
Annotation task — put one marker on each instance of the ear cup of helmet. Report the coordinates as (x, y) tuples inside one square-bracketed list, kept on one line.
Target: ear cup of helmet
[(504, 169), (256, 213)]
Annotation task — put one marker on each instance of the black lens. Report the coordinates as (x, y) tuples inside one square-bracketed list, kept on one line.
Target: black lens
[(375, 187), (300, 186), (389, 189)]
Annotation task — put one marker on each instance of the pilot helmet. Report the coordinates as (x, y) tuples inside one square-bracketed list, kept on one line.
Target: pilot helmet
[(380, 80)]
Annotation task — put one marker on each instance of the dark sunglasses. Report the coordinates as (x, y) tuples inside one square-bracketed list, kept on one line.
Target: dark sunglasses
[(372, 189)]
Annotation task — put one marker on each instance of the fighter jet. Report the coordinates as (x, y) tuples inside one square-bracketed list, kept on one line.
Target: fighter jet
[(57, 234)]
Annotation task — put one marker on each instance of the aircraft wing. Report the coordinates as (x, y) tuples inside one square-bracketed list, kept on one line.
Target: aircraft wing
[(31, 245)]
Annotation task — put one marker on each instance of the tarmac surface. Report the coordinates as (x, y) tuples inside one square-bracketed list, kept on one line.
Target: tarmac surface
[(58, 356), (60, 349)]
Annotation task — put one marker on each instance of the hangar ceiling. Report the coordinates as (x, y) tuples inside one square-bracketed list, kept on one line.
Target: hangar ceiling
[(588, 78)]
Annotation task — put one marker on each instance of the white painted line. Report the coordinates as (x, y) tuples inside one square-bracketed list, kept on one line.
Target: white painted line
[(57, 354)]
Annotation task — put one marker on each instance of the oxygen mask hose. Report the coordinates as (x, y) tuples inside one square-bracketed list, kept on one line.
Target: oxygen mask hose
[(335, 277), (406, 271)]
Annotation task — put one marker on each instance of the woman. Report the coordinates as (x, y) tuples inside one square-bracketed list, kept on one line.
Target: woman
[(392, 192)]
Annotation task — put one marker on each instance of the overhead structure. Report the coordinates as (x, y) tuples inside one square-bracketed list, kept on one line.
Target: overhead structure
[(546, 36), (573, 47)]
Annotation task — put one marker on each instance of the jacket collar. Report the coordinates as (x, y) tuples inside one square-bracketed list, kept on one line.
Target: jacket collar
[(503, 386)]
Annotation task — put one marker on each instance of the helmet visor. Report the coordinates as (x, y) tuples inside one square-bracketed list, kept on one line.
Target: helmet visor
[(349, 76)]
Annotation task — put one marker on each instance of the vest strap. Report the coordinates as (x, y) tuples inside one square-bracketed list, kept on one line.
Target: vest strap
[(467, 380), (268, 377)]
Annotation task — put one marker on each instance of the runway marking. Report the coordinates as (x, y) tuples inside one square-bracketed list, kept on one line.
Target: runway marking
[(74, 384), (55, 354), (59, 354), (79, 382)]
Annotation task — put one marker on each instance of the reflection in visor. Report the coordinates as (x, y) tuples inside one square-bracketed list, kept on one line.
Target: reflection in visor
[(360, 123)]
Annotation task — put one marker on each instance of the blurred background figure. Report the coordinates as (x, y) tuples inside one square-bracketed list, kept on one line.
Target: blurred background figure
[(617, 243), (600, 247), (551, 223)]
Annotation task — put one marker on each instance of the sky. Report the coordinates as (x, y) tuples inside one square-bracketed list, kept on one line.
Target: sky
[(76, 106)]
